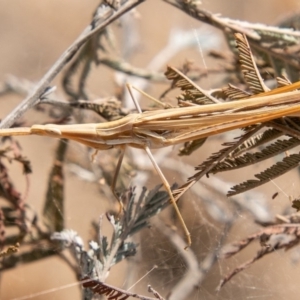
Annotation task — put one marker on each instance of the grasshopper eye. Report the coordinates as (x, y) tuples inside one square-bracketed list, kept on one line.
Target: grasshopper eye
[(49, 130), (52, 131)]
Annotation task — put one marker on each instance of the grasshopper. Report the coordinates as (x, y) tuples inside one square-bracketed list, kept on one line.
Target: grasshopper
[(162, 128)]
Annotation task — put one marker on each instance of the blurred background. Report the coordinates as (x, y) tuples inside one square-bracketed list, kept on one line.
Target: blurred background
[(33, 35)]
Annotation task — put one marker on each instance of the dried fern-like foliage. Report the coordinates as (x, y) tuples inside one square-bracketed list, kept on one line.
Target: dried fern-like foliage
[(231, 157), (257, 141), (272, 238), (104, 289), (276, 47), (111, 292), (241, 161), (249, 69), (280, 168), (191, 92), (10, 250), (234, 93), (109, 109)]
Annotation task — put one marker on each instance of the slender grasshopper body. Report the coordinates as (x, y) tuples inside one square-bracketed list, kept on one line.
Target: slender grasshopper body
[(161, 128)]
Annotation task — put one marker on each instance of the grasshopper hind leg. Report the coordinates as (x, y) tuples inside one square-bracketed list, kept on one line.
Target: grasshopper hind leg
[(114, 180), (160, 173), (173, 201)]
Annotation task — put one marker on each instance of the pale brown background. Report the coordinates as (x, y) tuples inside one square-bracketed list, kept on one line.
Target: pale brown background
[(33, 34)]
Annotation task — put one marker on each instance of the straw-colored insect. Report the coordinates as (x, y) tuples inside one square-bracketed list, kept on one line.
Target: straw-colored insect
[(161, 128)]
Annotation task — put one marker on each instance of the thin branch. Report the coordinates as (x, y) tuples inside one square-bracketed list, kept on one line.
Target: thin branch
[(154, 292), (104, 18)]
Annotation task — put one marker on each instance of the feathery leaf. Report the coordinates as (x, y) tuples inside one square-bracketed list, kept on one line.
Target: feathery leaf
[(248, 159), (191, 91), (278, 169), (248, 66)]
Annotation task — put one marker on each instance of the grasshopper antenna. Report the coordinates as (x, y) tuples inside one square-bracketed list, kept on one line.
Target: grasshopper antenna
[(130, 87), (158, 170)]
